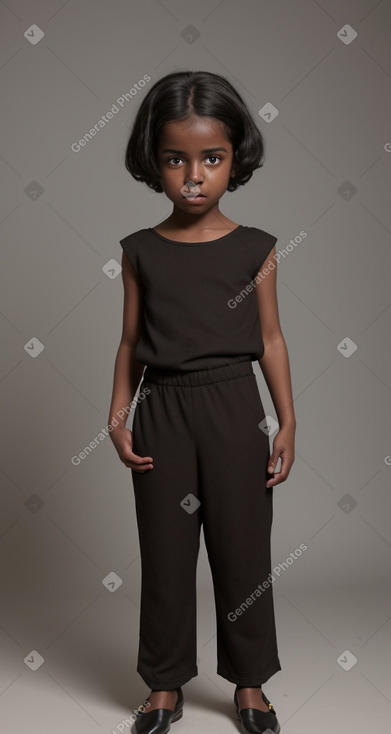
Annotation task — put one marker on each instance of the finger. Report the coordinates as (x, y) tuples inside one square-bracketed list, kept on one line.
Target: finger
[(138, 467), (283, 474), (273, 462), (277, 479), (138, 463), (136, 459)]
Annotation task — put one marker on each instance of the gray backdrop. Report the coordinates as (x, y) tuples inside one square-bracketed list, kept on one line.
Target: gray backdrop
[(316, 76)]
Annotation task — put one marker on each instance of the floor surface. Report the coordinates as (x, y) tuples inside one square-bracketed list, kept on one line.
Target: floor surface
[(334, 648)]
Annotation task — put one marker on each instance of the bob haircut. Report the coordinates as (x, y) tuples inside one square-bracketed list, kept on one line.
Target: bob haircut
[(181, 96)]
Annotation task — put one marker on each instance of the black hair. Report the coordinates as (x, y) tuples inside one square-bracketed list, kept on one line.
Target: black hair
[(180, 96)]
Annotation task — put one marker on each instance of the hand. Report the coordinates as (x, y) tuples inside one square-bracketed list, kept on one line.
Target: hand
[(284, 447), (122, 439)]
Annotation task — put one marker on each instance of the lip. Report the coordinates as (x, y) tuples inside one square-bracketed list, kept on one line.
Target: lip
[(200, 197)]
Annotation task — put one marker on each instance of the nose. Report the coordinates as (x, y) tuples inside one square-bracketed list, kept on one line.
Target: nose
[(194, 173)]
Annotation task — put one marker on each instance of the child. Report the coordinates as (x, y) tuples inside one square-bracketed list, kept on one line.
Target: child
[(195, 316)]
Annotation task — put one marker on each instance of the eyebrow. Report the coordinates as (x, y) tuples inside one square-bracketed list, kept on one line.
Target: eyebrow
[(182, 152)]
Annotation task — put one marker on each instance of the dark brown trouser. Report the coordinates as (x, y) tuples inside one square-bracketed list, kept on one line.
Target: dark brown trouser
[(210, 457)]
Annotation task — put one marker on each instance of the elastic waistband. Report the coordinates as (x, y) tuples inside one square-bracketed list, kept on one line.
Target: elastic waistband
[(198, 377)]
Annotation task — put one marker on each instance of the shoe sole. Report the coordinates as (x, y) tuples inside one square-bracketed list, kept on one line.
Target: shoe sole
[(177, 716)]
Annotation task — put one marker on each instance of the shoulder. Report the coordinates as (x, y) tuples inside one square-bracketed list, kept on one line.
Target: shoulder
[(131, 247), (259, 239), (258, 233), (259, 243), (135, 237)]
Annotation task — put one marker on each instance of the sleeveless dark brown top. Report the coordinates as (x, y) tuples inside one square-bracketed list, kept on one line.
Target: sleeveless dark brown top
[(199, 302)]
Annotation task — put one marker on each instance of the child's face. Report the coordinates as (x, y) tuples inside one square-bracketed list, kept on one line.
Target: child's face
[(182, 158)]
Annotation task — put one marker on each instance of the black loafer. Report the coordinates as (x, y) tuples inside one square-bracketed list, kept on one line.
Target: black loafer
[(254, 721), (157, 721)]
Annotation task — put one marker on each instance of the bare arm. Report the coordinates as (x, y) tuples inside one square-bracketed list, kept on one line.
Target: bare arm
[(276, 371), (127, 370)]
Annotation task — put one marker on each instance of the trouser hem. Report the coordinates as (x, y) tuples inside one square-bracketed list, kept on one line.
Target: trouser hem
[(168, 685), (250, 680)]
